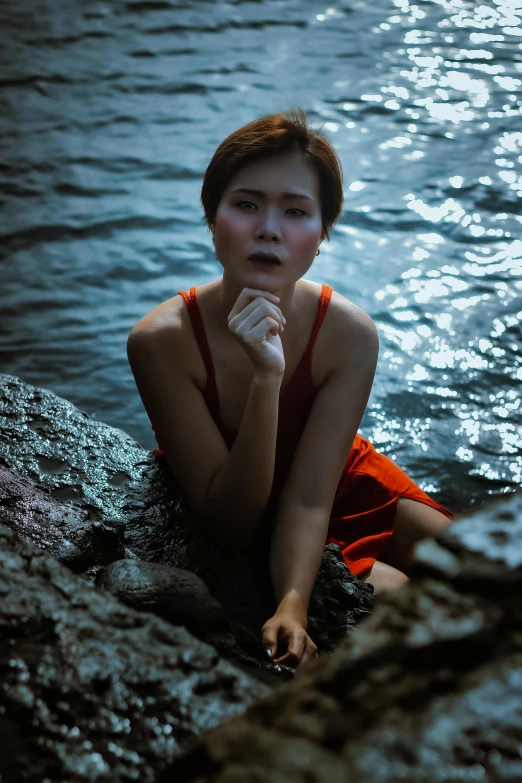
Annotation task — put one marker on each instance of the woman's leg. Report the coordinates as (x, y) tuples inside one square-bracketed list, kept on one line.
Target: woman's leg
[(413, 522), (385, 578)]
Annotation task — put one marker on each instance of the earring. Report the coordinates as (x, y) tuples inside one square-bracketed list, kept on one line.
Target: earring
[(317, 252)]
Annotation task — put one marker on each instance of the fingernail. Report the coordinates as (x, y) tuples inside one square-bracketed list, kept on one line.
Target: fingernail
[(268, 651)]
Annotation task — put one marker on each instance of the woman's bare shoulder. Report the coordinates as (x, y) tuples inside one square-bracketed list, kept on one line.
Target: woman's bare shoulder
[(350, 335), (160, 333), (342, 312), (343, 305), (171, 315), (166, 333), (164, 317)]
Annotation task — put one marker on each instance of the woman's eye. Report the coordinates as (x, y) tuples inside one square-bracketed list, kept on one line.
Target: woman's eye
[(292, 209)]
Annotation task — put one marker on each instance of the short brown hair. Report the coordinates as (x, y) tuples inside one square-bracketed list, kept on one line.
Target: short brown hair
[(273, 134)]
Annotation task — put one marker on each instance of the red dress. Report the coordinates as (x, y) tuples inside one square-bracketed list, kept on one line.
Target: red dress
[(363, 513)]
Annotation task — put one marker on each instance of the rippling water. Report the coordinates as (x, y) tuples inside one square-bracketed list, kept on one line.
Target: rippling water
[(109, 115)]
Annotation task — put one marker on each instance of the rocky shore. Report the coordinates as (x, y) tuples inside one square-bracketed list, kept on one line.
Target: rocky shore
[(128, 652)]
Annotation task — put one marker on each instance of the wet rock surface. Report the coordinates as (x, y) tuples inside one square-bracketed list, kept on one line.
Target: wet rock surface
[(92, 690), (428, 689), (173, 593), (67, 532), (107, 488)]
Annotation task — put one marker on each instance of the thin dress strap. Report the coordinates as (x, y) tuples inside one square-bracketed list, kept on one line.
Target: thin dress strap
[(326, 295), (302, 377), (194, 312)]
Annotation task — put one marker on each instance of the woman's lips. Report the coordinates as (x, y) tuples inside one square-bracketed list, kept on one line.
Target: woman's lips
[(265, 255), (263, 263)]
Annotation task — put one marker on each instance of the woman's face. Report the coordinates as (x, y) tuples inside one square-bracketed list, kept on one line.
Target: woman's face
[(290, 227)]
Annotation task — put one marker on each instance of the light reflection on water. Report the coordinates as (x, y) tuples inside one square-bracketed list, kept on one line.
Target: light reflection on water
[(106, 127), (483, 364)]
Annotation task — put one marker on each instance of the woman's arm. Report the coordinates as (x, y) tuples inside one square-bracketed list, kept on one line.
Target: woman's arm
[(306, 502), (244, 481), (296, 551), (228, 489)]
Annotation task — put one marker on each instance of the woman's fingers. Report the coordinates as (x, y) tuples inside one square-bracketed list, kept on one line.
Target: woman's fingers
[(257, 328), (285, 633), (296, 648), (269, 632), (293, 658), (249, 295), (254, 313)]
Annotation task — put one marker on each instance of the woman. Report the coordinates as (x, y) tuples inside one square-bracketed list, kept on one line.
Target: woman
[(273, 374)]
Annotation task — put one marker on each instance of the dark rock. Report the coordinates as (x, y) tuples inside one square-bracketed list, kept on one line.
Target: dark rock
[(98, 474), (428, 689), (484, 558), (66, 531), (338, 602), (96, 468), (92, 690), (172, 593)]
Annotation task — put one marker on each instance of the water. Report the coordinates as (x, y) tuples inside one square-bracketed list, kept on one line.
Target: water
[(109, 115)]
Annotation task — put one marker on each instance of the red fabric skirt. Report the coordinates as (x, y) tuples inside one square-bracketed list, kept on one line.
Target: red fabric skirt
[(365, 505)]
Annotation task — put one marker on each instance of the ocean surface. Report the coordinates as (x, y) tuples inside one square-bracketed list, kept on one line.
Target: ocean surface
[(109, 115)]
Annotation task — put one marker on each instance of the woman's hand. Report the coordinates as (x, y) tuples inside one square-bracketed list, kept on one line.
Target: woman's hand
[(285, 633), (256, 321)]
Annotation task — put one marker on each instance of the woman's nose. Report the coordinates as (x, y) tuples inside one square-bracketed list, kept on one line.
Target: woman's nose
[(269, 229)]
